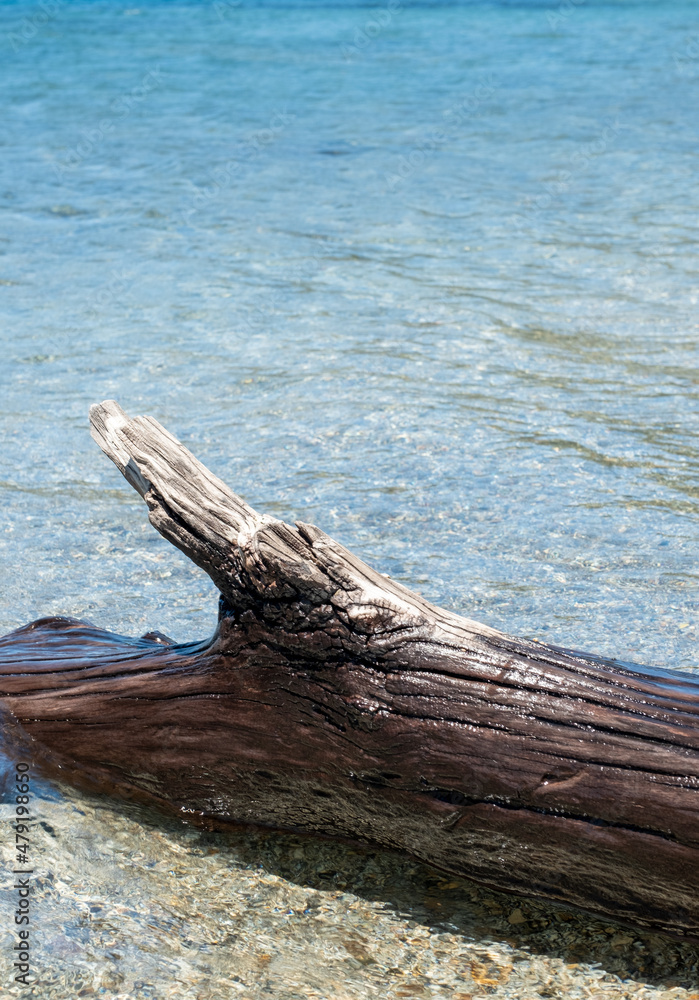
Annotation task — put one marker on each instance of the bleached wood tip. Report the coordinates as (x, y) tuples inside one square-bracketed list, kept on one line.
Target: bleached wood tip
[(188, 504), (107, 422)]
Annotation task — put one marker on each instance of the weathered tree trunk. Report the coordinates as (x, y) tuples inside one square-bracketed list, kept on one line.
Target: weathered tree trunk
[(334, 700)]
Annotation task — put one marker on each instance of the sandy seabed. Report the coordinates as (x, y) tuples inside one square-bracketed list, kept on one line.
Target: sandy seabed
[(129, 904)]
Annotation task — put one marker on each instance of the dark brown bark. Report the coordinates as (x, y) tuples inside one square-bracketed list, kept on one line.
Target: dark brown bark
[(333, 700)]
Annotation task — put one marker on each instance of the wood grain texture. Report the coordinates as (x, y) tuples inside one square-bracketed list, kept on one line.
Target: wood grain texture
[(332, 699)]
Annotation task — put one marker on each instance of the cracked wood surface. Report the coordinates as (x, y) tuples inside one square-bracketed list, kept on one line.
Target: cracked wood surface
[(334, 700)]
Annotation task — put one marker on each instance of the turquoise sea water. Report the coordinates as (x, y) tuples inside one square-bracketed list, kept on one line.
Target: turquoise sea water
[(424, 274)]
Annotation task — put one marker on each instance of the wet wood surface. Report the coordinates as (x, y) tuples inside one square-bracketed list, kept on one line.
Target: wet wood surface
[(332, 699)]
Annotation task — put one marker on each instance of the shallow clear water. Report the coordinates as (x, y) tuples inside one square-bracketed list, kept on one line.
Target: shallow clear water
[(422, 274)]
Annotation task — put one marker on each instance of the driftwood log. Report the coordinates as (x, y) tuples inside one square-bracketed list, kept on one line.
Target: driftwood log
[(333, 700)]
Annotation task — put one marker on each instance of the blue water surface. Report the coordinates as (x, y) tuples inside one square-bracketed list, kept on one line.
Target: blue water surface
[(421, 273)]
